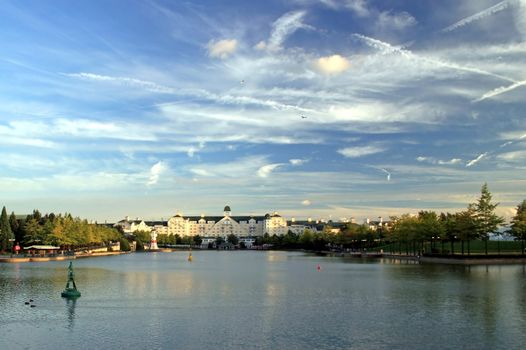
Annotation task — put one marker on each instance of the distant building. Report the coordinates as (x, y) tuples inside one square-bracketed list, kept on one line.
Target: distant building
[(212, 226), (130, 226)]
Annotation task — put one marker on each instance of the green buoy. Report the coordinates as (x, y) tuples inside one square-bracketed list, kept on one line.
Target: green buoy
[(71, 288)]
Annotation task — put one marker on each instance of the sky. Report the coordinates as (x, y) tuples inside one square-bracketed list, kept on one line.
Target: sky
[(312, 108)]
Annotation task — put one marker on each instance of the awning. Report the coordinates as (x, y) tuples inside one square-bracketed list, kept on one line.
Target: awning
[(42, 247)]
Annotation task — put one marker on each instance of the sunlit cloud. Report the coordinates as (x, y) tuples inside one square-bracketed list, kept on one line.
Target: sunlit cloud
[(155, 173), (266, 170), (262, 45), (332, 64), (222, 48)]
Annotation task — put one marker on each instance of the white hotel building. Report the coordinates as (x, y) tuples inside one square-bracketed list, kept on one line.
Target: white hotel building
[(212, 226)]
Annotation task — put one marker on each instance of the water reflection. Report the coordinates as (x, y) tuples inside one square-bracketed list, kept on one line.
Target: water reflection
[(70, 307), (264, 300)]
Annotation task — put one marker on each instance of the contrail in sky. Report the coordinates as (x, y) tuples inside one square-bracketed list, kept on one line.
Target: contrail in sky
[(388, 174), (500, 90), (480, 15), (387, 48)]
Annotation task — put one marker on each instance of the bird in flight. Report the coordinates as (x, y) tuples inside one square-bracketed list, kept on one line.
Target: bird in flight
[(242, 82), (388, 174), (303, 117)]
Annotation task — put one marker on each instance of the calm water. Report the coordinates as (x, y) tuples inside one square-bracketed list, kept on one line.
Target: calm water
[(261, 300)]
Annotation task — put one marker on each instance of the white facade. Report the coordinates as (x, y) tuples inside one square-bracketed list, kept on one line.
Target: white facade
[(130, 226), (222, 226)]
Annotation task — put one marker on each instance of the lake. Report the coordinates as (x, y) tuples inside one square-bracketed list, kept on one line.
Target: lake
[(261, 300)]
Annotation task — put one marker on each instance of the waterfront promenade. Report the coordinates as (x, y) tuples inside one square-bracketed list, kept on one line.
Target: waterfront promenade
[(39, 258)]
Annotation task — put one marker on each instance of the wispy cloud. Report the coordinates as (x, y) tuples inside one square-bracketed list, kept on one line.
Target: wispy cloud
[(387, 20), (517, 156), (125, 81), (266, 170), (355, 152), (476, 160), (298, 162), (283, 27), (433, 160)]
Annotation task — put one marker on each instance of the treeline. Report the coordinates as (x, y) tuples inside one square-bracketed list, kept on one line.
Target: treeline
[(59, 230), (427, 231), (476, 222)]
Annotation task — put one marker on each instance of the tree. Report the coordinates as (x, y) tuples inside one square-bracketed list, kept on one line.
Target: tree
[(486, 219), (198, 240), (139, 245), (232, 238), (5, 230), (465, 226), (15, 224), (307, 239), (125, 245), (518, 223), (219, 240), (429, 227)]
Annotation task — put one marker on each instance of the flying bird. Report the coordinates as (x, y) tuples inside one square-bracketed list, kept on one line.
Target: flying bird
[(388, 174), (303, 117), (242, 82)]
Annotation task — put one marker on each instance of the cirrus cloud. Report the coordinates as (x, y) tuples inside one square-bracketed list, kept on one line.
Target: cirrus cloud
[(355, 152)]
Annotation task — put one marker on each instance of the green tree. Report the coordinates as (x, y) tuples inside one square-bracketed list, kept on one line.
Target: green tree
[(15, 225), (307, 239), (465, 226), (405, 230), (5, 230), (429, 227), (232, 238), (125, 245), (139, 244), (219, 240), (197, 240), (485, 218), (518, 223)]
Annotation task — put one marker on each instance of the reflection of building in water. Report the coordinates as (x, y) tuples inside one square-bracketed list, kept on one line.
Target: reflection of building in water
[(213, 226)]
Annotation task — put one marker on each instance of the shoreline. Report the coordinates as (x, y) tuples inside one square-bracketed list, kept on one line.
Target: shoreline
[(23, 259), (457, 260)]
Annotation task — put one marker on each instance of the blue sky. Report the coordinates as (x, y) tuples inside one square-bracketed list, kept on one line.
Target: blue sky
[(312, 108)]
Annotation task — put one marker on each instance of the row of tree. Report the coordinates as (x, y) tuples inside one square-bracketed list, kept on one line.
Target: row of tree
[(58, 230), (476, 222)]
